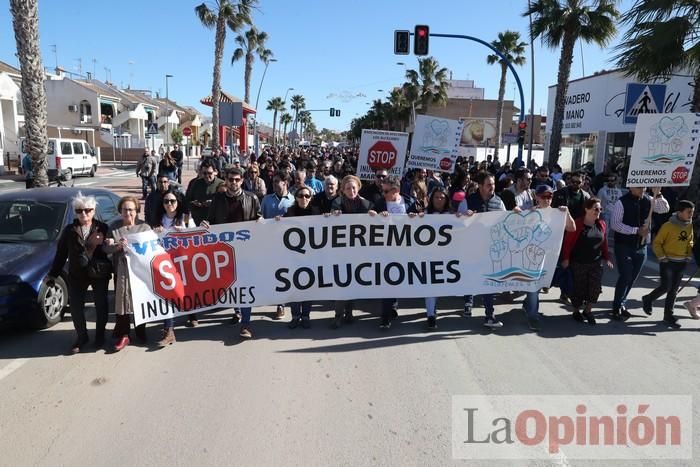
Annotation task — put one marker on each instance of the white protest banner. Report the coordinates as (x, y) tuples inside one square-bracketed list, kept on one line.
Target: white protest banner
[(664, 150), (381, 150), (350, 256), (435, 144)]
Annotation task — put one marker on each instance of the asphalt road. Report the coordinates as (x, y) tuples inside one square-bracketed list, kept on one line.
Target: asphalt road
[(355, 396)]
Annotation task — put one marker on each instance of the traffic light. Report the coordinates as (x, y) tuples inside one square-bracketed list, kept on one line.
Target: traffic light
[(337, 112), (332, 112), (420, 39), (402, 41), (522, 127)]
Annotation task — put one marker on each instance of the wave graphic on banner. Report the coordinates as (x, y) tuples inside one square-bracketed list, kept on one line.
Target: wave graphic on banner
[(516, 247)]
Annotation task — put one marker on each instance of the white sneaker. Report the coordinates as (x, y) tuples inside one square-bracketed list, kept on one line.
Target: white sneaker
[(493, 323), (692, 310)]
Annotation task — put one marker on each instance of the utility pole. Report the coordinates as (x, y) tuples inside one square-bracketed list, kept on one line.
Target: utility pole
[(167, 116)]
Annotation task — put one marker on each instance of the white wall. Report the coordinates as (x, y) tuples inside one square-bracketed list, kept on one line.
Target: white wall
[(62, 93)]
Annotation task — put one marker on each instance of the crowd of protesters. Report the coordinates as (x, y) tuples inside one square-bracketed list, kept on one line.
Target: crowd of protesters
[(285, 182)]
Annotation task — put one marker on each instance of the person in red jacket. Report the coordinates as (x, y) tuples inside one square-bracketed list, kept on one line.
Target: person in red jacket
[(584, 250)]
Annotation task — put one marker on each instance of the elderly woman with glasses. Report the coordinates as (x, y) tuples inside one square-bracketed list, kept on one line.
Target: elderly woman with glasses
[(583, 252), (81, 243), (116, 245), (302, 207)]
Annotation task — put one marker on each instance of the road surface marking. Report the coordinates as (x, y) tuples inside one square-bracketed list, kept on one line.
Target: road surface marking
[(13, 365)]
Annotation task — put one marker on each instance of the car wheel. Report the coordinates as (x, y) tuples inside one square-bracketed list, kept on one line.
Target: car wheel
[(52, 301), (93, 170)]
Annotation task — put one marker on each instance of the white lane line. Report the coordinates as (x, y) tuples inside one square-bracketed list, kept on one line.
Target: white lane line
[(85, 183), (13, 365)]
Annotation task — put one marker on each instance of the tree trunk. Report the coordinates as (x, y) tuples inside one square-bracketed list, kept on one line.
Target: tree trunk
[(247, 75), (216, 82), (25, 21), (274, 127), (565, 60), (499, 109), (693, 192), (284, 135)]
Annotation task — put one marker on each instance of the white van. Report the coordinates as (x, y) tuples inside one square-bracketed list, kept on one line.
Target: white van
[(69, 157)]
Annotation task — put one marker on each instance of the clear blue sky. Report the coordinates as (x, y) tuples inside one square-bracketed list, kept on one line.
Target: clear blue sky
[(324, 48)]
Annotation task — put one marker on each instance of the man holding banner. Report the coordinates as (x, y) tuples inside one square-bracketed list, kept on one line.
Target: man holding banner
[(484, 200), (235, 205)]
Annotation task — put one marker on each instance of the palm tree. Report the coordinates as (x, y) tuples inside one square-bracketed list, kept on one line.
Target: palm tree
[(218, 15), (25, 21), (285, 119), (400, 108), (664, 36), (509, 44), (276, 104), (560, 23), (298, 103), (251, 43), (304, 121), (427, 86)]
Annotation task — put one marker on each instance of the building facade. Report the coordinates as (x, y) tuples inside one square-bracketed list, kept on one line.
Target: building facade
[(600, 114)]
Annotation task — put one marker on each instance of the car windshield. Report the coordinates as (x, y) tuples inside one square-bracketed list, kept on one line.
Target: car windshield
[(26, 221)]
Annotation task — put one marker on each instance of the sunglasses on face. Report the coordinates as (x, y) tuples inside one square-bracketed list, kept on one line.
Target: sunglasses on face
[(84, 211), (303, 196), (234, 179), (128, 210), (169, 201), (381, 176)]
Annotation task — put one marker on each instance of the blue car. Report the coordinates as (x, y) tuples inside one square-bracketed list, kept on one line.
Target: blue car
[(31, 222)]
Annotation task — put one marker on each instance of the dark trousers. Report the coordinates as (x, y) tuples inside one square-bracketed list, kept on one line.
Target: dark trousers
[(587, 283), (671, 274), (389, 307), (146, 183), (300, 309), (629, 261), (343, 307), (76, 295)]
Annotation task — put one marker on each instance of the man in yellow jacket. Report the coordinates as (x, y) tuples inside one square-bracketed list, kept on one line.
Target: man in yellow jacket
[(673, 247)]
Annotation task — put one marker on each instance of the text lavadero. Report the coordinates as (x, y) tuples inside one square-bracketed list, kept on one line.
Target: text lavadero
[(340, 258)]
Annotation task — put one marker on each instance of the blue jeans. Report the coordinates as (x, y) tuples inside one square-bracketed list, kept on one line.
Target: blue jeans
[(245, 315), (486, 298), (629, 261), (532, 305), (300, 309)]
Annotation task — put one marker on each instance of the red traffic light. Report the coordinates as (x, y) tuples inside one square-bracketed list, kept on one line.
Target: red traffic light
[(422, 32), (420, 40), (522, 125)]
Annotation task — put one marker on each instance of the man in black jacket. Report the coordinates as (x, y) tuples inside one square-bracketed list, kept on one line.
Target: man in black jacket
[(235, 205), (177, 156)]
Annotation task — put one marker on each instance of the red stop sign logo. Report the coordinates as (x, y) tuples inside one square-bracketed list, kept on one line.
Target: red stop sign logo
[(382, 155), (679, 175), (187, 131), (446, 163), (190, 271)]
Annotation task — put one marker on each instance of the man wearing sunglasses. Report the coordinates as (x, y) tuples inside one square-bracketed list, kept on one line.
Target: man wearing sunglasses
[(235, 205), (372, 191), (201, 191), (572, 196)]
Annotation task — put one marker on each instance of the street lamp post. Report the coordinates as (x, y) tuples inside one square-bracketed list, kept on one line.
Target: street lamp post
[(257, 99), (167, 117)]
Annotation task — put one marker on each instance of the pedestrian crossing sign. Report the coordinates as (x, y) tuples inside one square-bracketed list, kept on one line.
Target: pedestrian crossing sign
[(152, 129), (643, 99)]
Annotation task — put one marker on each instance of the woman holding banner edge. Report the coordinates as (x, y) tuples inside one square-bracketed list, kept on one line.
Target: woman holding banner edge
[(302, 207), (349, 202)]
